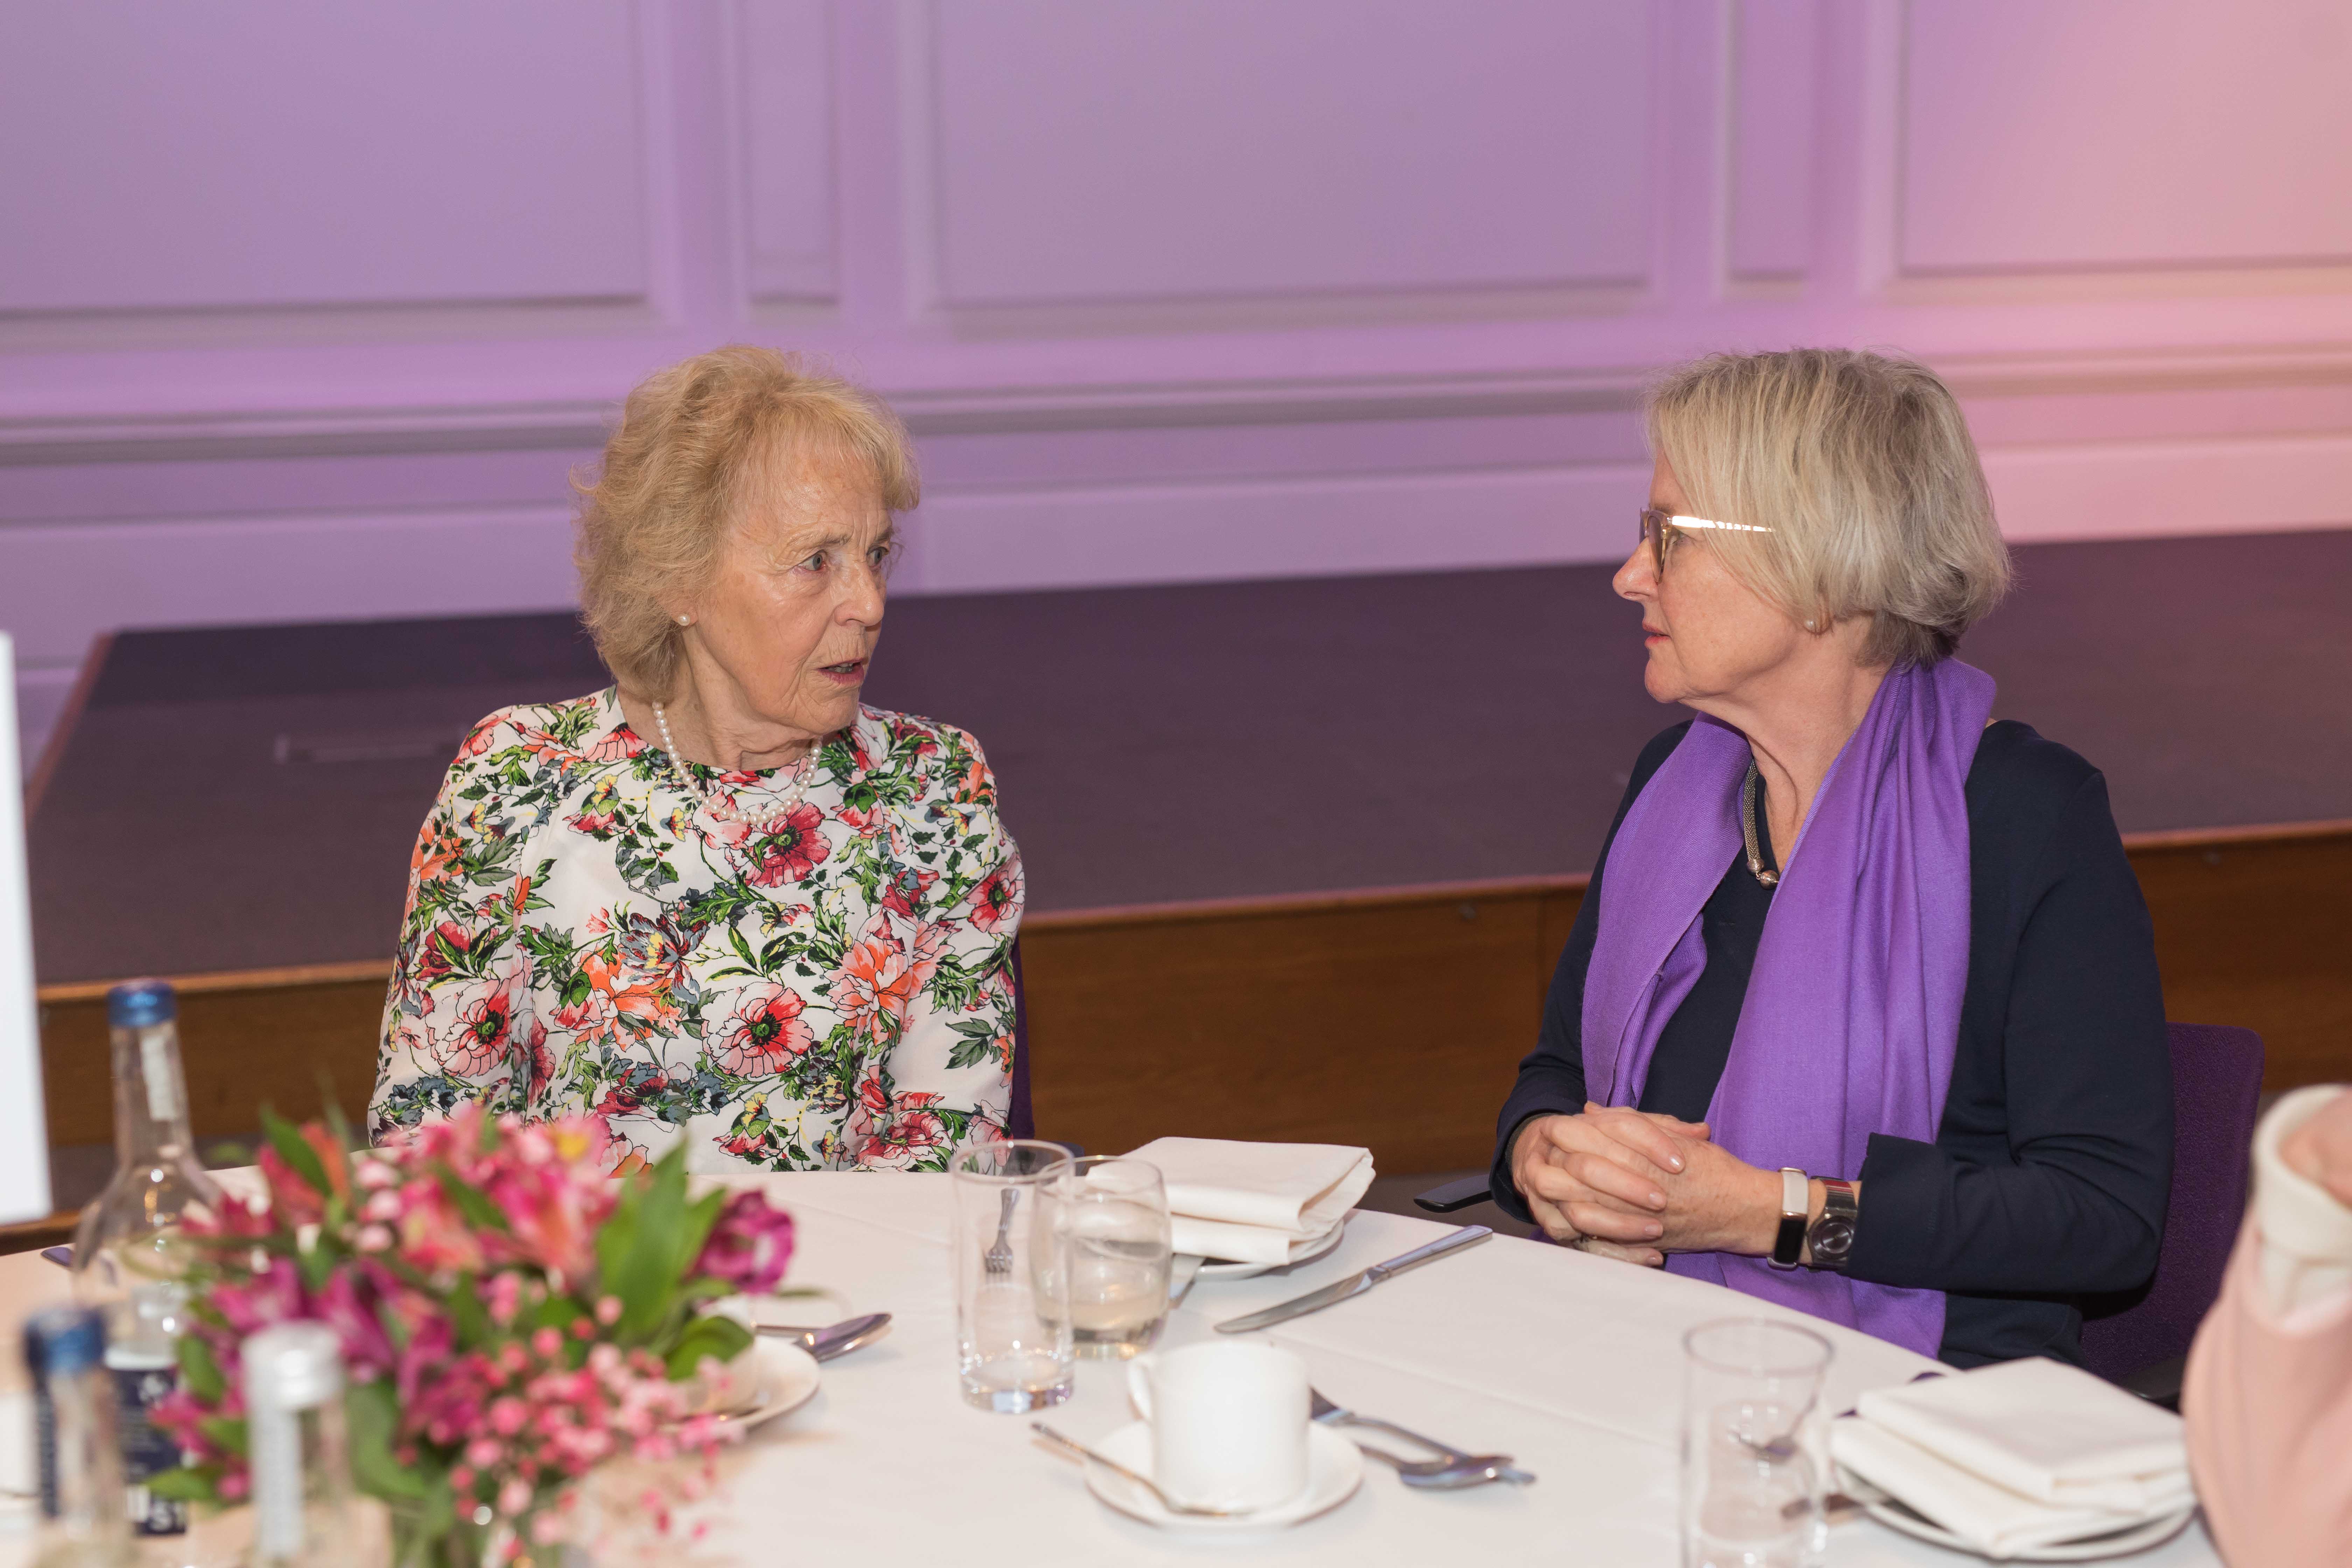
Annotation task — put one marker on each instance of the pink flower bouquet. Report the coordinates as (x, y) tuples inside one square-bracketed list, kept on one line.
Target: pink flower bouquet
[(510, 1316)]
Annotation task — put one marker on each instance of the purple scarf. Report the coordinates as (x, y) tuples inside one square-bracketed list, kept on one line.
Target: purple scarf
[(1854, 1008)]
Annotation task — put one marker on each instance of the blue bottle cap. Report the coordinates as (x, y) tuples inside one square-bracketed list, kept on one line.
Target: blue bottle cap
[(137, 1003), (65, 1340)]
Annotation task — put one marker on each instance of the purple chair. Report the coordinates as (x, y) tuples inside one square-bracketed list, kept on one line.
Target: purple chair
[(2141, 1338)]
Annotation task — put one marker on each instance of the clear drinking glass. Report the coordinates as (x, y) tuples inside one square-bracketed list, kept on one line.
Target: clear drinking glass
[(1114, 1212), (1755, 1445), (1012, 1273)]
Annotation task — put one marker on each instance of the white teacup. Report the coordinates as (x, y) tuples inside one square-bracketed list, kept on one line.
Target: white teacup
[(1228, 1422)]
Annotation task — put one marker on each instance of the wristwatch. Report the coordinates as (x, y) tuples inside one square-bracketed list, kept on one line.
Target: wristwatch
[(1831, 1237), (1796, 1203)]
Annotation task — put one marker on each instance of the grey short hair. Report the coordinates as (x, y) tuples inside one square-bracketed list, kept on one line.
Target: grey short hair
[(1862, 467)]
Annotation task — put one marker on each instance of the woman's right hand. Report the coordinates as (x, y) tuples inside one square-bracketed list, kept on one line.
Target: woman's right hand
[(1597, 1175)]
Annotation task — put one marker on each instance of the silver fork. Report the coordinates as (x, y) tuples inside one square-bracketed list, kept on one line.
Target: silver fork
[(998, 1258), (1331, 1414)]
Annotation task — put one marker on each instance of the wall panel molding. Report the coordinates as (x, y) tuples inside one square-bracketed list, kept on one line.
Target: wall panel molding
[(1133, 226), (2071, 150), (783, 119), (280, 172), (566, 423)]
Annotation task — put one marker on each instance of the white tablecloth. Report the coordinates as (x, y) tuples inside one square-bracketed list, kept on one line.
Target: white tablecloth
[(1570, 1363)]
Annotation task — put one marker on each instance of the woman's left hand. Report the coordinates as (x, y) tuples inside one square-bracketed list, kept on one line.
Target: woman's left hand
[(1718, 1202)]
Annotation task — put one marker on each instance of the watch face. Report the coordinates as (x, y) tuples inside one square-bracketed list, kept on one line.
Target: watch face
[(1832, 1239)]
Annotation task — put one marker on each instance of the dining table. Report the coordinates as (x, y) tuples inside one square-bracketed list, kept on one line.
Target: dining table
[(1571, 1363)]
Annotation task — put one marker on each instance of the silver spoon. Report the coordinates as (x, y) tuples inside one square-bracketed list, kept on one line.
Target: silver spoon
[(1453, 1475), (1145, 1482), (833, 1339), (1457, 1468)]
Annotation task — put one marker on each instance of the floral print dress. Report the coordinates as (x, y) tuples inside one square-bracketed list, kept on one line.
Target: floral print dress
[(812, 984)]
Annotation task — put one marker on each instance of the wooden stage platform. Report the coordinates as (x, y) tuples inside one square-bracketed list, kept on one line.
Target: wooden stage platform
[(1301, 853)]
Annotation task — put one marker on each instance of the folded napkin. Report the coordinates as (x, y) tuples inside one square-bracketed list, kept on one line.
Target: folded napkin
[(2019, 1456), (1256, 1202)]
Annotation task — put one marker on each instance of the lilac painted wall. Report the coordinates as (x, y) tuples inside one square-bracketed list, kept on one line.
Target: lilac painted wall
[(305, 311)]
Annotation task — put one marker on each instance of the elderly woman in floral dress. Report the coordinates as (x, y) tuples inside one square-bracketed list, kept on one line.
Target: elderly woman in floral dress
[(721, 901)]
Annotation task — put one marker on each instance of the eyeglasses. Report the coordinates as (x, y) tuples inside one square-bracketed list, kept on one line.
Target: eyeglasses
[(1658, 528)]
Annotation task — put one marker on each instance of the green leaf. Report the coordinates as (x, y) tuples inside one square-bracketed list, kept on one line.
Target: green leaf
[(467, 1313), (226, 1432), (186, 1484), (636, 1250), (472, 1202), (200, 1372), (718, 1338), (371, 1419), (295, 1150)]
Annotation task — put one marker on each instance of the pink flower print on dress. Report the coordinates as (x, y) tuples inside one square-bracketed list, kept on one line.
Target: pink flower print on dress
[(784, 846), (765, 1033), (482, 1033), (538, 1060), (616, 745), (905, 1127), (443, 951), (904, 888), (597, 813), (995, 899), (880, 978)]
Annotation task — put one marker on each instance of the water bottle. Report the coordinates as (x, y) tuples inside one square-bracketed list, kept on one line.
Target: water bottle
[(83, 1521), (128, 1259), (295, 1446)]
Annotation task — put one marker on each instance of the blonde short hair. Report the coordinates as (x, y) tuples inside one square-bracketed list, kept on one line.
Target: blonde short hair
[(1862, 467), (692, 441)]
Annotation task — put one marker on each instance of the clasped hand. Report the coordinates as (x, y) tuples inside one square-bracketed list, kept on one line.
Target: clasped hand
[(1636, 1185)]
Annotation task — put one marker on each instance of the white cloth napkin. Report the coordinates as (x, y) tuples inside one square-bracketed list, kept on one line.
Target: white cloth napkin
[(1256, 1202), (2019, 1456)]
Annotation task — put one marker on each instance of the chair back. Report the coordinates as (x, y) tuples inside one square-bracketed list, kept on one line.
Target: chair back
[(1020, 1121), (2217, 1083)]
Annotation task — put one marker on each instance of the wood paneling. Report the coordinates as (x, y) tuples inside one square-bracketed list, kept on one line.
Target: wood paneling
[(270, 1037), (1390, 1018), (2250, 929)]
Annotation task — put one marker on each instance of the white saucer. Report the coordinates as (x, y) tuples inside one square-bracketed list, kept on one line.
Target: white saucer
[(1335, 1467), (787, 1379), (1301, 1252), (1894, 1513)]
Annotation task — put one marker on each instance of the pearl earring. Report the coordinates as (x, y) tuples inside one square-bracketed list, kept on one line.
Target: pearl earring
[(689, 620), (1810, 627)]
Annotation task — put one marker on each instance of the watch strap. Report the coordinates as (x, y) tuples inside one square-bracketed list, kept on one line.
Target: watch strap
[(1796, 1203)]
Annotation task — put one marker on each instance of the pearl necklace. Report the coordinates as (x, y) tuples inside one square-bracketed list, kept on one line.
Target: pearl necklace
[(802, 771)]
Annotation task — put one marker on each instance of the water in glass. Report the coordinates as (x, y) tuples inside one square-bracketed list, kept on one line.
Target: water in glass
[(1755, 1447), (1012, 1269), (1114, 1211)]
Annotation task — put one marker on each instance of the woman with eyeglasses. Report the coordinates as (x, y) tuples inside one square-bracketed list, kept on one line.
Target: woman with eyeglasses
[(1861, 1011)]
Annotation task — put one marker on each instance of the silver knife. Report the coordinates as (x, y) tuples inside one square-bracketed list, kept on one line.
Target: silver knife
[(1356, 1284)]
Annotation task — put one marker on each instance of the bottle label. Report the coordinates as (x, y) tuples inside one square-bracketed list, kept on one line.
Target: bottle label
[(147, 1448), (155, 1058)]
